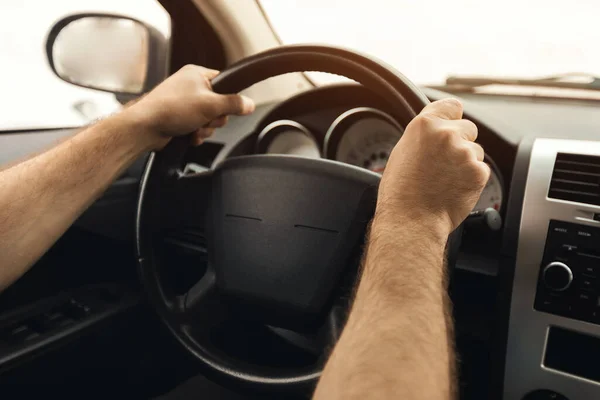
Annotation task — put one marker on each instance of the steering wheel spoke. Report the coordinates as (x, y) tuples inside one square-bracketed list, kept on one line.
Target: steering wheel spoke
[(322, 340), (202, 305), (185, 200)]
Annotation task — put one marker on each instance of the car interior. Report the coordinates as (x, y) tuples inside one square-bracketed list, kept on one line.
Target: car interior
[(227, 270)]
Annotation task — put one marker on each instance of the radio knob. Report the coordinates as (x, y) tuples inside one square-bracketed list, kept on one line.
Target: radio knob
[(557, 276)]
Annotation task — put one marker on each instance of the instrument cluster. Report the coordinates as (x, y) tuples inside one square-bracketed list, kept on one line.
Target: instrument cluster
[(361, 136)]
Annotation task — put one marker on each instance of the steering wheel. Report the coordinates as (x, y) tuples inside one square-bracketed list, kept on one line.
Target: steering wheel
[(280, 230)]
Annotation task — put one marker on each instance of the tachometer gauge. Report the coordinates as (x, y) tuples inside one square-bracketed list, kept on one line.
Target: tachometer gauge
[(287, 137), (363, 137), (492, 194)]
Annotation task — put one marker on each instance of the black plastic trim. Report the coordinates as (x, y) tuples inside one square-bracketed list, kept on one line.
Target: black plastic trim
[(10, 356)]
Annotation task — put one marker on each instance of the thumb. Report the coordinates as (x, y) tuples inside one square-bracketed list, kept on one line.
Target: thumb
[(236, 104)]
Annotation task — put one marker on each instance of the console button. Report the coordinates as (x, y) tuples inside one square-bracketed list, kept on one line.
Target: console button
[(587, 283), (546, 304), (586, 298), (20, 334), (557, 276), (553, 303), (590, 270), (568, 248), (49, 321), (583, 233), (583, 308), (544, 394), (560, 229), (77, 310), (564, 252)]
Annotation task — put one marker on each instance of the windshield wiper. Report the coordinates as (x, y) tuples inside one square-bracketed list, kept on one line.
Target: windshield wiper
[(564, 81)]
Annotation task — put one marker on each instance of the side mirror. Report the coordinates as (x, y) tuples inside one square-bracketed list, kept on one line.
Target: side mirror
[(106, 52)]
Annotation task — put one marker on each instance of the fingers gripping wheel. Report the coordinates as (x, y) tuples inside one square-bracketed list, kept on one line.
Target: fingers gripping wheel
[(280, 230)]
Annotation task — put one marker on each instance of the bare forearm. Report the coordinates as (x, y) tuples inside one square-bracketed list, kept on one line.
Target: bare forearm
[(396, 343), (41, 197)]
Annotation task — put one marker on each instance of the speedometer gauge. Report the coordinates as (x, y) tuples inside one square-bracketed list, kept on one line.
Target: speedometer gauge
[(363, 137), (287, 137)]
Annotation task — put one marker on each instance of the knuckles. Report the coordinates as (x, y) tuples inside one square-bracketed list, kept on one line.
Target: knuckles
[(434, 129), (453, 104), (193, 77), (424, 123), (482, 173), (447, 136), (464, 153), (191, 68), (476, 174), (471, 126)]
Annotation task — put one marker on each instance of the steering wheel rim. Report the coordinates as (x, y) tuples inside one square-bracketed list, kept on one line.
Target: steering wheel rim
[(161, 172)]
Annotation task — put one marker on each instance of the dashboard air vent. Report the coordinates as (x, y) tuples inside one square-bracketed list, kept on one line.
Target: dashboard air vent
[(576, 178)]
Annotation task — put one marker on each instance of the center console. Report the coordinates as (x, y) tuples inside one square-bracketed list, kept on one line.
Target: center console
[(553, 343)]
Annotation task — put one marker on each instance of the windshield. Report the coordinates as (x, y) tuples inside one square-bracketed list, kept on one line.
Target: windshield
[(31, 96), (431, 40)]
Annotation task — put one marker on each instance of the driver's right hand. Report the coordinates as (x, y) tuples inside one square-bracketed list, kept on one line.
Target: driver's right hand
[(436, 173), (185, 103)]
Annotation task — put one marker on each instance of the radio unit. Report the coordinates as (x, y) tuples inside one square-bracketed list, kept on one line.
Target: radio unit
[(568, 281)]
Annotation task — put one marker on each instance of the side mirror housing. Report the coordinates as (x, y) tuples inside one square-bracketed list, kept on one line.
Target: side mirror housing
[(111, 53)]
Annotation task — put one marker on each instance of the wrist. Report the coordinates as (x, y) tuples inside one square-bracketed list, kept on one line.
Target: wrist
[(141, 129), (411, 221), (404, 258)]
